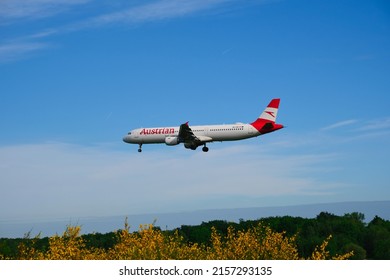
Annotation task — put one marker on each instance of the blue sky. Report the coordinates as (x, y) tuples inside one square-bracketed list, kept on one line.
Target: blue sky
[(75, 76)]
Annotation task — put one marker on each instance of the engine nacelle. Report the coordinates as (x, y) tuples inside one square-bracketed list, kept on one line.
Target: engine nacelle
[(171, 140)]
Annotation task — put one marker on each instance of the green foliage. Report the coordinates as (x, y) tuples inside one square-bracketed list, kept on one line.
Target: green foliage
[(377, 241), (349, 233), (99, 240), (359, 253)]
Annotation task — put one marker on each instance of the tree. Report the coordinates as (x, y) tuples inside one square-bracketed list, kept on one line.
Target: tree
[(377, 240)]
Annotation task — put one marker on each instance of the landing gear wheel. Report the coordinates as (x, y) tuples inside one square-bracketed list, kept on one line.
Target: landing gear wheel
[(205, 149), (140, 148)]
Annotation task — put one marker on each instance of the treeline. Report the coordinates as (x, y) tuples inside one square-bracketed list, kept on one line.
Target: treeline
[(302, 237), (349, 233)]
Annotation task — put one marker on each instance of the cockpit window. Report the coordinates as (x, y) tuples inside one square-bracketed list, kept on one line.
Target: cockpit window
[(129, 133)]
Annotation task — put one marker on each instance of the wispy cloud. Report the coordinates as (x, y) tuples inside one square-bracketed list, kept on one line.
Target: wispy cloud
[(18, 50), (339, 124), (378, 124), (14, 11), (372, 129), (61, 180), (19, 11), (364, 125), (11, 10), (147, 11), (155, 11)]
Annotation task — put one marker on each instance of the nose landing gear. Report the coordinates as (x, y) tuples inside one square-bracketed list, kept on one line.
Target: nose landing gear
[(140, 148)]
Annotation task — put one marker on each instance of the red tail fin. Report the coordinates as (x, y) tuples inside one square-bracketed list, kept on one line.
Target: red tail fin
[(266, 121)]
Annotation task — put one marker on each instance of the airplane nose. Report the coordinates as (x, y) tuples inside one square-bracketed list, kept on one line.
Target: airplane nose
[(126, 139)]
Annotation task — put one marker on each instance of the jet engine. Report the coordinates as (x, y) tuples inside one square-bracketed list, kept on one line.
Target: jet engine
[(171, 140)]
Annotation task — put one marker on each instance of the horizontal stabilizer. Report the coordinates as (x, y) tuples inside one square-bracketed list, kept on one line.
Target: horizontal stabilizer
[(268, 126)]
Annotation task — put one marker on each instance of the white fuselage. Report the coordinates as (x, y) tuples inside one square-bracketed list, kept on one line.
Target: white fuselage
[(226, 132), (195, 136)]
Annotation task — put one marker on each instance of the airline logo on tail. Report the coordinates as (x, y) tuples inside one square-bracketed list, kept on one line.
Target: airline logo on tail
[(195, 136), (272, 114)]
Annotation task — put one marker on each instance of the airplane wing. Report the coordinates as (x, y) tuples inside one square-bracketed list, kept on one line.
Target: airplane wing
[(189, 139), (186, 135)]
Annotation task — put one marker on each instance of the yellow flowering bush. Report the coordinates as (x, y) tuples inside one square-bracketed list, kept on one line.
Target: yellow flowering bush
[(150, 243), (320, 252)]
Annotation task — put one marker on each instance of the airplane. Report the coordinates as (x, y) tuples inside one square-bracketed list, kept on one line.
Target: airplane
[(195, 136)]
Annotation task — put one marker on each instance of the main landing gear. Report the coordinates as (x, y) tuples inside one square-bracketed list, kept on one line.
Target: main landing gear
[(140, 148)]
